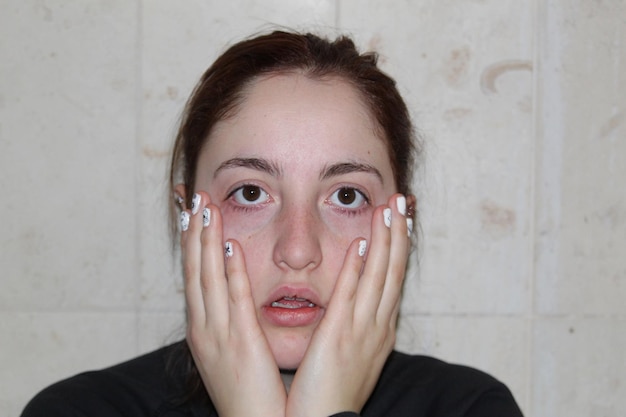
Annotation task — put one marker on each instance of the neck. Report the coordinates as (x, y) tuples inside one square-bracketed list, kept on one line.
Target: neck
[(287, 377)]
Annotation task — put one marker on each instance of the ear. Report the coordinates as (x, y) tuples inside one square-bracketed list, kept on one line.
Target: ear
[(411, 204), (179, 194)]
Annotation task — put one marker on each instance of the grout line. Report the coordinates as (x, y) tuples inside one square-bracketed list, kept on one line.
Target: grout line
[(91, 310), (532, 302), (521, 315), (138, 164)]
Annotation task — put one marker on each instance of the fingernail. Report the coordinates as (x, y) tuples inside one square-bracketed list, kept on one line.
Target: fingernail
[(409, 226), (184, 221), (228, 249), (362, 247), (195, 203), (387, 216), (401, 204), (206, 217)]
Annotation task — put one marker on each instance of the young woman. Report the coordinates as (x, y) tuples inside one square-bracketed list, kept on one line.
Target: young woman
[(291, 173)]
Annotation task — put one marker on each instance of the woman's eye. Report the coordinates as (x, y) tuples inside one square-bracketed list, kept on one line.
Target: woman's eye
[(250, 194), (347, 197)]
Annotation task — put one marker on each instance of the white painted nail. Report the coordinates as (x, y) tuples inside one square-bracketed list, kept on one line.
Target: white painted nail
[(206, 216), (184, 221), (228, 249), (387, 216), (362, 247), (401, 204), (409, 226), (195, 203)]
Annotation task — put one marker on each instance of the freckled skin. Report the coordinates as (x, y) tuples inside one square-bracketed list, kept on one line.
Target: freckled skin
[(298, 232)]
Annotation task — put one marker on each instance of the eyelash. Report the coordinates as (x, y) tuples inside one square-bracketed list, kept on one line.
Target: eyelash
[(346, 210), (245, 207)]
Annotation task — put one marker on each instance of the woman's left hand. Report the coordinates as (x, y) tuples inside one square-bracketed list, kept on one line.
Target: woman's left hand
[(352, 342)]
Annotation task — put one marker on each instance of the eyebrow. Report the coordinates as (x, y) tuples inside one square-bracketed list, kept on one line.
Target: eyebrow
[(258, 164), (342, 168), (271, 168)]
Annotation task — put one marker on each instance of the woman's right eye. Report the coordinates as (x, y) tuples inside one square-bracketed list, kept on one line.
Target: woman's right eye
[(249, 195)]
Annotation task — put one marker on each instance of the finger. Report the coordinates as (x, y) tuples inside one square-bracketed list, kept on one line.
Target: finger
[(344, 293), (241, 303), (213, 274), (398, 255), (372, 282), (191, 256)]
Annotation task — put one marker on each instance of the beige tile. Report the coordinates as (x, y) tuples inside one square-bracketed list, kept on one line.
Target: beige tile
[(581, 197), (41, 348), (466, 71), (579, 367), (496, 345), (67, 152)]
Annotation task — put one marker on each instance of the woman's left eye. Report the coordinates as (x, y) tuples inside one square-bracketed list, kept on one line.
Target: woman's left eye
[(249, 195), (348, 197)]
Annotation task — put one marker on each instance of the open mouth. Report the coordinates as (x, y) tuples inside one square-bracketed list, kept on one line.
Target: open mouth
[(292, 306), (293, 303)]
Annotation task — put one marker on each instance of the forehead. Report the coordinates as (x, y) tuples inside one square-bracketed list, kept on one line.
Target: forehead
[(299, 121)]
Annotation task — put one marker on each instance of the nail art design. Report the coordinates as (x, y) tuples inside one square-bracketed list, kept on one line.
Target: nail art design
[(184, 221), (362, 247), (409, 226), (228, 249), (195, 203), (401, 204), (387, 216), (206, 217)]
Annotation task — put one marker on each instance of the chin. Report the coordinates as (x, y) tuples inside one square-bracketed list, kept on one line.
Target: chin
[(289, 349)]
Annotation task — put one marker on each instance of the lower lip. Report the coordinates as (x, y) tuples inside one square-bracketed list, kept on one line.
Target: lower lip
[(292, 317)]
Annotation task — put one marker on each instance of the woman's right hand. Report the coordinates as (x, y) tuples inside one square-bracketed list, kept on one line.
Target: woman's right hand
[(228, 346)]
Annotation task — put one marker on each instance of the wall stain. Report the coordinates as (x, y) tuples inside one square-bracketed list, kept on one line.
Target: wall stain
[(612, 124), (456, 113), (172, 92), (456, 65), (612, 216), (494, 71), (154, 153), (496, 220), (45, 11)]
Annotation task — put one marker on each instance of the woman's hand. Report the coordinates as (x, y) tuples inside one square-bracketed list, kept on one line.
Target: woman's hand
[(228, 345), (352, 342)]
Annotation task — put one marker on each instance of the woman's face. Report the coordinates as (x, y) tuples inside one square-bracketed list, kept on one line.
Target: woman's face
[(297, 173)]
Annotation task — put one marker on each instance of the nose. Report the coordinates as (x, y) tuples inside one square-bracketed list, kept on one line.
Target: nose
[(297, 245)]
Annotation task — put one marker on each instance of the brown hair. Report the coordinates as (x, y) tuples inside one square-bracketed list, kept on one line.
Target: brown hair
[(222, 88)]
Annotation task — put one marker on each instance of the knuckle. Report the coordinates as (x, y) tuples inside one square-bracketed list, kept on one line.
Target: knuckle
[(189, 271), (195, 336)]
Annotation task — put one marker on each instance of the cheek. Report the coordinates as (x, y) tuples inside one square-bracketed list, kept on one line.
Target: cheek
[(349, 227), (241, 225), (341, 231)]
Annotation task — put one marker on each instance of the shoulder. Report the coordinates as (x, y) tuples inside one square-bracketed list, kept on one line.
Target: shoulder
[(141, 386), (415, 385)]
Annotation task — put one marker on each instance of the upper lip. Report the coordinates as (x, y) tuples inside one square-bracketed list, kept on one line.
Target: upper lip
[(294, 291)]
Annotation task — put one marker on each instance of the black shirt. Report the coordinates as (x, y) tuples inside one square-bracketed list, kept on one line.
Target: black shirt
[(409, 385)]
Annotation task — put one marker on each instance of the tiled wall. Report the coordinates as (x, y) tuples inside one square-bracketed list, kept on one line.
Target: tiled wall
[(523, 196)]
